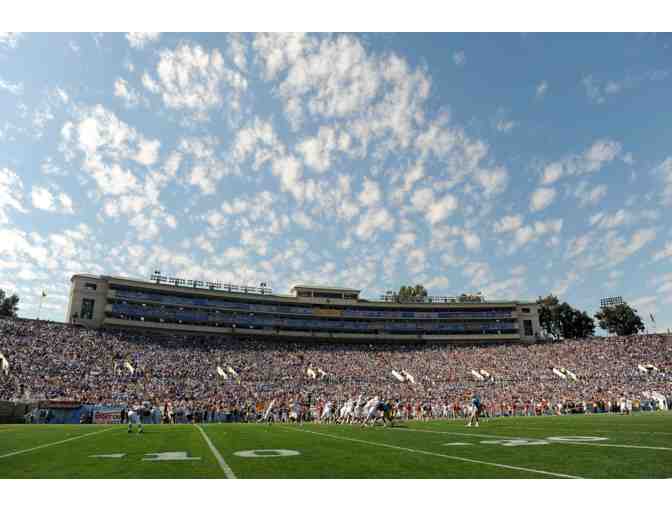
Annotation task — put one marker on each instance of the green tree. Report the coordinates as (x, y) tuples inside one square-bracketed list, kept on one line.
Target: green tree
[(410, 293), (548, 316), (620, 319), (9, 305), (561, 320)]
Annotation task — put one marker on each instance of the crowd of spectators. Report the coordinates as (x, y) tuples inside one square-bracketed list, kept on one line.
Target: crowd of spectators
[(58, 361)]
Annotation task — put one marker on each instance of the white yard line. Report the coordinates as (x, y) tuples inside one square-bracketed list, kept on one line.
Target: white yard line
[(18, 452), (577, 443), (220, 460), (434, 454)]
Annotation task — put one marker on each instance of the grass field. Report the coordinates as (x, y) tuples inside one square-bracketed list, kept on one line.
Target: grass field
[(602, 446)]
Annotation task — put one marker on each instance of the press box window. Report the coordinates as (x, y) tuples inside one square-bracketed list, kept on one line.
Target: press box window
[(87, 309), (527, 325), (90, 286), (526, 310)]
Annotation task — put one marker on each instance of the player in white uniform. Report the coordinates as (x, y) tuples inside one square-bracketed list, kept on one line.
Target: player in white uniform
[(328, 412), (358, 411), (295, 411), (371, 411), (350, 410), (268, 415), (134, 419)]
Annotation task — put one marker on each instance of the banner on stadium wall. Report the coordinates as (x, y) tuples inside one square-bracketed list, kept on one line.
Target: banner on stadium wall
[(477, 375), (559, 373), (326, 312), (59, 404), (107, 415)]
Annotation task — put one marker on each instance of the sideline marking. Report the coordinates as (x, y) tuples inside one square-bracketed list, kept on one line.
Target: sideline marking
[(11, 454), (424, 452), (554, 440), (220, 460)]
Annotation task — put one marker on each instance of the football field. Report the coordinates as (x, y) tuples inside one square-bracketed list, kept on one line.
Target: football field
[(593, 446)]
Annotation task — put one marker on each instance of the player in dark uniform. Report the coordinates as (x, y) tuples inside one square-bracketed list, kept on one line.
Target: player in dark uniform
[(476, 407)]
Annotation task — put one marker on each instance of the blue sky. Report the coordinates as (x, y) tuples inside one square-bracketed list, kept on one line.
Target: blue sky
[(512, 164)]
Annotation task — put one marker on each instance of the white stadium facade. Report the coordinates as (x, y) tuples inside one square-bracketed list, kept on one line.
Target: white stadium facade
[(310, 313)]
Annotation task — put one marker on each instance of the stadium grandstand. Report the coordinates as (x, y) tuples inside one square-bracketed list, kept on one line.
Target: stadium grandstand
[(310, 312)]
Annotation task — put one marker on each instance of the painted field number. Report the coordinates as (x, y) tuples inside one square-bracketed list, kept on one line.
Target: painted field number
[(168, 456), (251, 454)]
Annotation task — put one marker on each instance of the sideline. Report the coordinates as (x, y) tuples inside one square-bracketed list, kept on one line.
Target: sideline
[(434, 454), (220, 460), (11, 454)]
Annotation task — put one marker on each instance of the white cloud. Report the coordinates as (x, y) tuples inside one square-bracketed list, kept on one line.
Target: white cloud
[(593, 90), (618, 249), (494, 181), (471, 241), (598, 91), (441, 209), (666, 252), (148, 152), (335, 77), (552, 173), (508, 223), (124, 91), (372, 221), (42, 198), (66, 203), (12, 88), (11, 194), (505, 126), (191, 78), (370, 194), (10, 39), (665, 171), (542, 88), (460, 58), (138, 40), (317, 150), (438, 282), (289, 170), (541, 198), (435, 209), (588, 195), (237, 51)]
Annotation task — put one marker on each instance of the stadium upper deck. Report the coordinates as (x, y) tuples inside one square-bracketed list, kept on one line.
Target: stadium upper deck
[(312, 312)]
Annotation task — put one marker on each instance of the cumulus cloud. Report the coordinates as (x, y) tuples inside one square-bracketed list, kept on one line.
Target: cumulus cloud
[(139, 40), (370, 194), (124, 91), (372, 221), (335, 77), (193, 79), (10, 39), (665, 172), (541, 198), (508, 224), (589, 195), (460, 58), (11, 193), (317, 150), (542, 88), (666, 252), (12, 88)]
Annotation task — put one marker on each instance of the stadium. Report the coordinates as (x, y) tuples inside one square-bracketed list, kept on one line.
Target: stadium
[(230, 374), (334, 255)]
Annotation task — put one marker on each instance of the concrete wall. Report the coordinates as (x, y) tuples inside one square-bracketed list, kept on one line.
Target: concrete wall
[(79, 292)]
